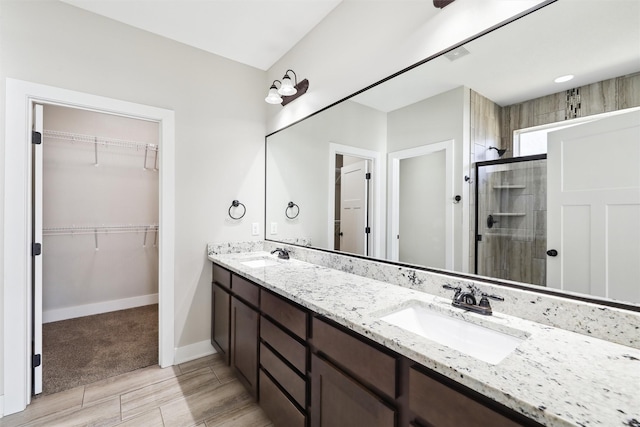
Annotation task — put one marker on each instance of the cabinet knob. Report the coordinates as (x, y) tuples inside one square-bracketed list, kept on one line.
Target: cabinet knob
[(552, 252)]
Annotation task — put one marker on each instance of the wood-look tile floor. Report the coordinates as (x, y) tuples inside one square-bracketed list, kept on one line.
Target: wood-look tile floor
[(201, 393)]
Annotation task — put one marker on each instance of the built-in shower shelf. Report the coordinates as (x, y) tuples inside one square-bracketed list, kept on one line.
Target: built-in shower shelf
[(508, 186), (508, 214)]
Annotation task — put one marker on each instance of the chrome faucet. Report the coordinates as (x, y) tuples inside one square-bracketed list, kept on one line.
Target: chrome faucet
[(282, 253), (467, 299)]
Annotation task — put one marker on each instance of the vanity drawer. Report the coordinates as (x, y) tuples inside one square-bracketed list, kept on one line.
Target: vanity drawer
[(286, 314), (290, 349), (438, 404), (277, 406), (365, 362), (221, 276), (245, 290), (288, 379)]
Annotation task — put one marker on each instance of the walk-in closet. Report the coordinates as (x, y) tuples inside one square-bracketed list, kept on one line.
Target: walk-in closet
[(100, 234)]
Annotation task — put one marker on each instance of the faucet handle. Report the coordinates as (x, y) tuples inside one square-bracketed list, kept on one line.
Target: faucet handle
[(457, 289), (495, 297)]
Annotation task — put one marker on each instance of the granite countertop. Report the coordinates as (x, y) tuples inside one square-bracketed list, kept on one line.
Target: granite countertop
[(556, 377)]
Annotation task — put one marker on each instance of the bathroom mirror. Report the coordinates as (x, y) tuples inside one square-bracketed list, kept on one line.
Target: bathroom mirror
[(422, 134)]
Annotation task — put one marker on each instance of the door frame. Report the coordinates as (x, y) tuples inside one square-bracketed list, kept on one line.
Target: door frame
[(376, 197), (20, 96), (394, 196)]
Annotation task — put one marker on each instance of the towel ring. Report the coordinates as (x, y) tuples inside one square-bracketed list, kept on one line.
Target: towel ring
[(292, 205), (235, 204)]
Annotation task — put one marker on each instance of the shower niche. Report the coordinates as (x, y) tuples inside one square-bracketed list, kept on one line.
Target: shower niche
[(510, 226)]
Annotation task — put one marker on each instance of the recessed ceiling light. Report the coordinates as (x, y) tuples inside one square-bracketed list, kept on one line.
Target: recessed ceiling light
[(563, 79)]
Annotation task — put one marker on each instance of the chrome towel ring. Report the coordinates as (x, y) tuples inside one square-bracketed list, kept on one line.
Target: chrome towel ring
[(235, 204), (291, 206)]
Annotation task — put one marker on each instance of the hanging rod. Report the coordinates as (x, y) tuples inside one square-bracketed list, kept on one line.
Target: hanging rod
[(78, 137)]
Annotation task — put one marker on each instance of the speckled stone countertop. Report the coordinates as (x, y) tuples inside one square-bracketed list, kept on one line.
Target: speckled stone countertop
[(556, 377)]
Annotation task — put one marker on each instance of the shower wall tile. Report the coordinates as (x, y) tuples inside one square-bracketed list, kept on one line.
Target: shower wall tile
[(539, 273), (540, 248), (598, 98), (608, 95), (520, 261), (540, 223), (628, 91)]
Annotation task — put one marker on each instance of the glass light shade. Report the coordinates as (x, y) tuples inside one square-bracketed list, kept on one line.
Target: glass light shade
[(286, 88), (273, 97)]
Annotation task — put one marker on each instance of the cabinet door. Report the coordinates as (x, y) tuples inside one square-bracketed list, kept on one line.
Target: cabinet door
[(339, 401), (220, 328), (442, 406), (244, 343)]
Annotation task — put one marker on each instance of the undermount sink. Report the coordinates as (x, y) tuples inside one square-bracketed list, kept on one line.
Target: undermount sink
[(259, 262), (478, 341)]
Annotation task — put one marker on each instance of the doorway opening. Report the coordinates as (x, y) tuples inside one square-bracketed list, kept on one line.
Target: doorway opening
[(19, 302), (421, 205), (98, 217), (358, 213)]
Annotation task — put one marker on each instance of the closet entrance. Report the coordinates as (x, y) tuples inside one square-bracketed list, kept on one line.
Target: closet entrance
[(96, 214)]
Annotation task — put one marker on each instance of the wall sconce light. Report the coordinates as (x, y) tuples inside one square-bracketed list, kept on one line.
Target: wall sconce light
[(288, 90)]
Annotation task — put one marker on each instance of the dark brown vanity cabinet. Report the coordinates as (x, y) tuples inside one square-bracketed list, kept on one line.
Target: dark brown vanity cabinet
[(283, 361), (235, 322), (339, 400), (245, 324), (352, 383), (220, 311), (308, 371), (436, 404)]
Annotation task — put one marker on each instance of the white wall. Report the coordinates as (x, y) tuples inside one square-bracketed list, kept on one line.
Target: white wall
[(436, 119), (220, 123), (79, 277), (298, 166), (362, 42)]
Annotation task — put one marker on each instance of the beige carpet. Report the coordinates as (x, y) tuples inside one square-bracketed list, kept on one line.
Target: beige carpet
[(87, 349)]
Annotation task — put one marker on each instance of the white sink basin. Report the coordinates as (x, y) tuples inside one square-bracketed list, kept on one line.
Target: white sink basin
[(474, 340), (259, 262)]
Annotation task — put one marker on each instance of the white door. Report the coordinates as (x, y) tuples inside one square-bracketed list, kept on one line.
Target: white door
[(36, 136), (594, 208), (354, 208)]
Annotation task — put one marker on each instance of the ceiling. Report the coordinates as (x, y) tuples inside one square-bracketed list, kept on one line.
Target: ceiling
[(252, 32), (599, 41)]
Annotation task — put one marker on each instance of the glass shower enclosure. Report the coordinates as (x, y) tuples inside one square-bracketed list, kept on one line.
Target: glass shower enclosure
[(510, 219)]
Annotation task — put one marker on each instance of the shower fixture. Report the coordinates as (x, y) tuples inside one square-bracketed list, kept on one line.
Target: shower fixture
[(500, 151)]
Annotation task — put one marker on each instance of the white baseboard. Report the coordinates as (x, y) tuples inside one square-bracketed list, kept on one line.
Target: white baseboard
[(97, 308), (193, 351)]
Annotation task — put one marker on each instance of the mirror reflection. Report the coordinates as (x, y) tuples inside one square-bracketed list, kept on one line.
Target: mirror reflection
[(478, 162)]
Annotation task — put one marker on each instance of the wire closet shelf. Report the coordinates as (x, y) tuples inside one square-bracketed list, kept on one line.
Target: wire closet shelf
[(104, 229), (106, 142)]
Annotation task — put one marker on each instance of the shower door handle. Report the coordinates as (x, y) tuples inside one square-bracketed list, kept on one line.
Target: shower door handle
[(552, 252)]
